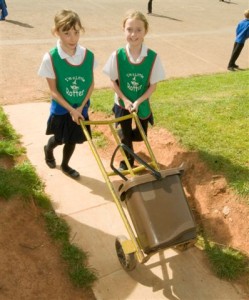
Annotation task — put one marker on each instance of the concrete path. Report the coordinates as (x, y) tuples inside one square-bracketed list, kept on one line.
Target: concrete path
[(192, 37)]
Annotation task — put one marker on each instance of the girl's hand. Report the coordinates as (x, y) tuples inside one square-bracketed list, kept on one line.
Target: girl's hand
[(135, 106), (76, 116), (128, 104)]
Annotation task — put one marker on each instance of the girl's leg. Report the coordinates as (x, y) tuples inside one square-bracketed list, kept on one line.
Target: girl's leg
[(48, 149), (131, 135), (136, 135), (68, 151), (126, 129)]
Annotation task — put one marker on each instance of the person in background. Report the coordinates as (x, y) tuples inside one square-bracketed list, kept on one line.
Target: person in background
[(149, 7), (68, 69), (134, 71), (242, 34), (3, 9)]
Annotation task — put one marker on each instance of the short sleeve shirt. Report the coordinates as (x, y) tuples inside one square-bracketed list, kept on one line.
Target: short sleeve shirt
[(46, 68), (111, 69)]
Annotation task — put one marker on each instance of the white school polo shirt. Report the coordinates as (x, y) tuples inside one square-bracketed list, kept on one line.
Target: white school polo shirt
[(46, 68), (111, 69)]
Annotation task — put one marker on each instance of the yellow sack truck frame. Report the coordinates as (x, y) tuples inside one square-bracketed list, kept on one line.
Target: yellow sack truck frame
[(159, 216)]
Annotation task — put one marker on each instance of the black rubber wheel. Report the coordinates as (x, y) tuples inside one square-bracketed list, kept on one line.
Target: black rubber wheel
[(185, 246), (127, 261)]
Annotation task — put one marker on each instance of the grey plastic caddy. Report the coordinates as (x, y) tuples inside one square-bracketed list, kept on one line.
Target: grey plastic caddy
[(159, 210)]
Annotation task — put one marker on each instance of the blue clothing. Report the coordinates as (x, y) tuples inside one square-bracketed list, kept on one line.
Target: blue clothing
[(57, 109), (242, 31), (3, 8), (242, 34)]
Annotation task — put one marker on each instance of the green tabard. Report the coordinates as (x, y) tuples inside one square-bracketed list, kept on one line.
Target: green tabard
[(134, 79), (73, 82)]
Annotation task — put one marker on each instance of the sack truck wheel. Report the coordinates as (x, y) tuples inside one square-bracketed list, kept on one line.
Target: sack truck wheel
[(185, 246), (127, 261)]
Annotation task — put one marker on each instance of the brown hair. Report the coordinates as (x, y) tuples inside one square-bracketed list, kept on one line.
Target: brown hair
[(246, 14), (134, 14), (65, 20)]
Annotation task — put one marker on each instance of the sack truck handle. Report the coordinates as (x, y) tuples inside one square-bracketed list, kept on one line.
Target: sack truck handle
[(155, 173)]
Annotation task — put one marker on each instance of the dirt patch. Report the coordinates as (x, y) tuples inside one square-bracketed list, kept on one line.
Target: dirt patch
[(31, 266)]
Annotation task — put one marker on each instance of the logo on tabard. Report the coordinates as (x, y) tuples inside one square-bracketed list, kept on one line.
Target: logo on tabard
[(133, 82), (74, 86)]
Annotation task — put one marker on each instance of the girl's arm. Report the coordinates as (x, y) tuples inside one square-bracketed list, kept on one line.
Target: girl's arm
[(127, 102), (145, 96), (76, 115)]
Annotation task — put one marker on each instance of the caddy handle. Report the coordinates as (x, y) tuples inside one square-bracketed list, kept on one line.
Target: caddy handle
[(154, 172)]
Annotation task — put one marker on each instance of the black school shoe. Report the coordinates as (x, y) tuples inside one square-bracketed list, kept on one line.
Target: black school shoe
[(70, 172), (49, 158), (123, 166), (232, 68)]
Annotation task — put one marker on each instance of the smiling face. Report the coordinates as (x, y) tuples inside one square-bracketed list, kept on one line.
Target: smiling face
[(69, 38), (135, 32)]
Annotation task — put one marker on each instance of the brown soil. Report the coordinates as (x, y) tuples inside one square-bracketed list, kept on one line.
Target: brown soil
[(31, 266)]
